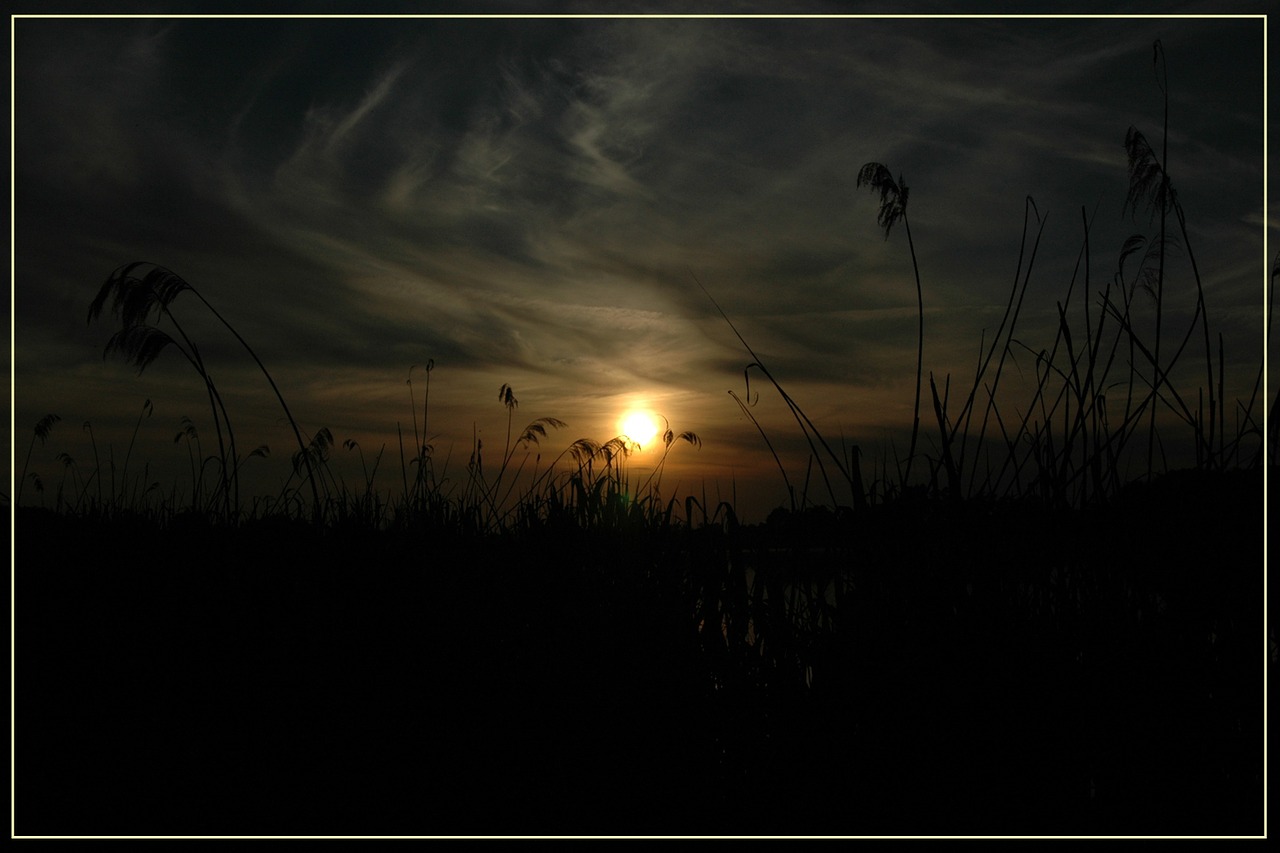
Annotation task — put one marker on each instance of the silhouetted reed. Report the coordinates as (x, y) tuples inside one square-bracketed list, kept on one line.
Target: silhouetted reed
[(893, 207), (41, 434)]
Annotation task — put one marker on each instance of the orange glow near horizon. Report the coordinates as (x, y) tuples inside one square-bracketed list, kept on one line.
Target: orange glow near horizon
[(639, 425)]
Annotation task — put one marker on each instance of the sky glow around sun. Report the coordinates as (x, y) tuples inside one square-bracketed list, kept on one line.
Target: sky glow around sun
[(640, 426)]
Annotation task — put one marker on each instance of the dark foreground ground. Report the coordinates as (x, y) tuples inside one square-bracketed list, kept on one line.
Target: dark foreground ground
[(985, 670)]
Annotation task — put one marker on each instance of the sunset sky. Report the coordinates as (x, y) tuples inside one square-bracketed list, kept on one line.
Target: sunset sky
[(529, 202)]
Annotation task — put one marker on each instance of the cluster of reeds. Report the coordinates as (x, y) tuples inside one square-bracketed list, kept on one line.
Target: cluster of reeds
[(141, 296), (102, 490), (1104, 406), (589, 484), (1103, 387)]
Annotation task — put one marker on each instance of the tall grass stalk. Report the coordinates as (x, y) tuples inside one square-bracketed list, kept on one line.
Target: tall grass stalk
[(41, 433), (1149, 182), (807, 427), (1274, 409), (133, 301), (893, 206), (124, 471), (791, 492), (1011, 313)]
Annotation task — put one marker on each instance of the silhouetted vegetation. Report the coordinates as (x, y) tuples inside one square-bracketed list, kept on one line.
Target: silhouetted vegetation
[(1025, 640)]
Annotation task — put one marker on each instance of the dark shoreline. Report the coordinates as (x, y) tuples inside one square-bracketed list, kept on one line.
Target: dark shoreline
[(986, 669)]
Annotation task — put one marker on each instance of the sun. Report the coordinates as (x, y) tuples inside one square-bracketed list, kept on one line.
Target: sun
[(640, 426)]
